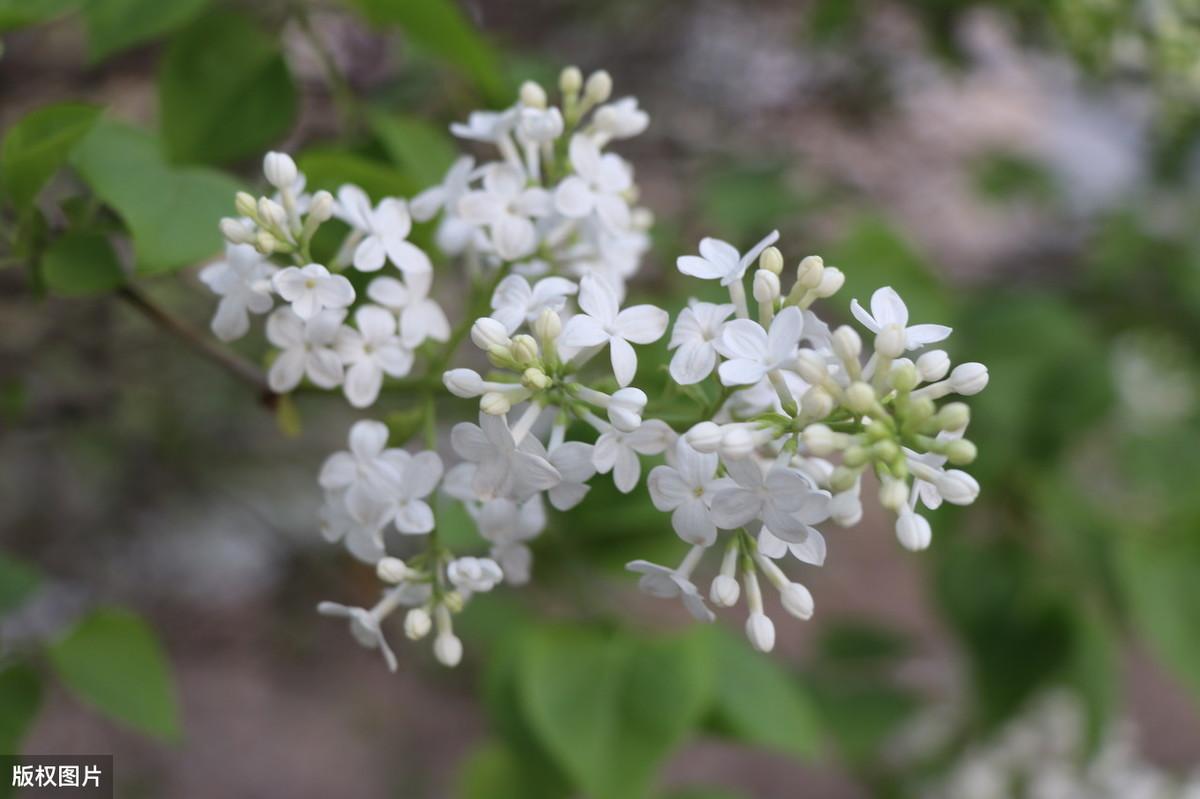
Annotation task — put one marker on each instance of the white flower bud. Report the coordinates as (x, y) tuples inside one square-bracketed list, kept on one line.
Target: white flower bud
[(817, 403), (819, 440), (391, 570), (847, 344), (535, 379), (761, 632), (810, 272), (960, 452), (889, 342), (860, 398), (533, 95), (831, 282), (237, 232), (766, 287), (812, 367), (524, 348), (724, 591), (954, 416), (957, 487), (417, 624), (904, 375), (736, 443), (279, 169), (893, 494), (599, 86), (968, 378), (548, 325), (321, 207), (447, 649), (771, 260), (797, 600), (272, 213), (489, 334), (265, 243), (245, 204), (843, 478), (494, 403), (464, 383), (933, 365), (913, 531), (846, 509), (570, 80), (625, 409), (453, 602), (705, 437)]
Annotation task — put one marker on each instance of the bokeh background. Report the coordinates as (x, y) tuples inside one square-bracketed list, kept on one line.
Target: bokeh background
[(1025, 171)]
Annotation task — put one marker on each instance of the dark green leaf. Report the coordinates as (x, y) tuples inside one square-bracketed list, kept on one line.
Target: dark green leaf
[(114, 25), (493, 770), (224, 91), (17, 581), (21, 13), (20, 697), (37, 146), (81, 263), (113, 661), (172, 213), (422, 150)]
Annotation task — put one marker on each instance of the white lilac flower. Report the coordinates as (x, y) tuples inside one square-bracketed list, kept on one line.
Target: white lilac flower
[(365, 624), (508, 525), (515, 302), (311, 289), (305, 348), (666, 583), (573, 461), (686, 489), (597, 185), (370, 351), (888, 310), (603, 322), (506, 206), (371, 481), (621, 119), (419, 476), (474, 575), (243, 282), (363, 541), (694, 339), (720, 260), (810, 550), (503, 467), (420, 316), (445, 195), (486, 126), (617, 451), (384, 229), (783, 499), (753, 352)]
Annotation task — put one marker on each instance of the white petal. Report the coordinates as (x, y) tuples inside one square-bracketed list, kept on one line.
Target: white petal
[(574, 198), (741, 372), (888, 308), (323, 367), (598, 299), (784, 335), (642, 324), (918, 336), (721, 253), (408, 257), (743, 338), (375, 323), (692, 523), (287, 371), (514, 237), (733, 507), (627, 470), (702, 268), (354, 207), (582, 331), (338, 471), (368, 438), (624, 360), (388, 292), (860, 313), (693, 362), (667, 488), (414, 517), (391, 218), (335, 291)]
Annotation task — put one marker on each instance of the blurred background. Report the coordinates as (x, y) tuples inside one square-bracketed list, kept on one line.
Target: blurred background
[(1024, 171)]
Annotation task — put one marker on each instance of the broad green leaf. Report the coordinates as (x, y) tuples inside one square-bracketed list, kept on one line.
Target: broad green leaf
[(422, 150), (113, 661), (114, 25), (328, 168), (439, 27), (37, 146), (610, 708), (224, 91), (22, 13), (81, 263), (758, 702), (20, 697), (17, 581), (172, 212), (493, 770)]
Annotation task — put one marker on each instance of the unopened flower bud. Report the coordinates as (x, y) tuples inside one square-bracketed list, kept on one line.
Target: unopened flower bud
[(447, 649), (279, 169), (893, 494), (889, 342), (237, 232), (533, 95), (886, 451), (453, 602), (954, 416), (933, 365), (489, 334), (817, 403), (960, 452), (524, 348), (736, 443), (494, 403), (548, 325), (724, 591), (391, 570), (921, 409), (464, 383), (846, 509), (812, 367), (957, 487), (705, 437), (625, 409), (766, 287), (321, 207), (265, 243), (598, 87), (969, 378), (831, 282), (417, 624), (860, 398), (246, 205), (843, 479), (904, 375), (761, 632), (819, 440), (856, 456), (797, 600), (847, 344), (771, 260), (535, 379), (810, 271), (570, 80), (913, 531)]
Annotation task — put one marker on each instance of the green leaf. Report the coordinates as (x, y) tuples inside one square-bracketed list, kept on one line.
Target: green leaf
[(422, 150), (743, 201), (113, 661), (224, 91), (81, 263), (38, 145), (114, 25), (610, 708), (758, 702), (493, 770), (20, 698), (16, 14), (440, 27), (329, 167), (172, 212), (17, 581)]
